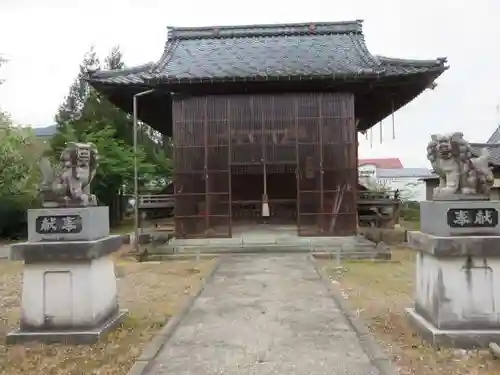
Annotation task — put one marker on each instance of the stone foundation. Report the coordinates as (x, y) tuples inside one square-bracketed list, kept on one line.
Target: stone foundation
[(455, 296), (459, 338), (69, 291), (68, 296)]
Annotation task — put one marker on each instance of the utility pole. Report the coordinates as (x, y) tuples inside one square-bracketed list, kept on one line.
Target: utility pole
[(136, 171)]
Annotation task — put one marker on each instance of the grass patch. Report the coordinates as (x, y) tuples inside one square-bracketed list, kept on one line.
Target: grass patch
[(380, 292), (410, 225), (126, 226), (152, 292)]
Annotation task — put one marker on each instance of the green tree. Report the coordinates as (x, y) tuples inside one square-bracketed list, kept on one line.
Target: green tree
[(71, 109), (85, 116), (79, 90), (78, 98), (150, 141), (19, 176)]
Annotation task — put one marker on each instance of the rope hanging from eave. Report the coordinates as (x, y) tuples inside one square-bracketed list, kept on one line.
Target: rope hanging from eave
[(381, 136), (371, 137), (392, 116)]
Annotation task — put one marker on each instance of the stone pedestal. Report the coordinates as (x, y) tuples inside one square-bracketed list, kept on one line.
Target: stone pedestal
[(457, 269), (69, 286), (72, 224), (460, 218)]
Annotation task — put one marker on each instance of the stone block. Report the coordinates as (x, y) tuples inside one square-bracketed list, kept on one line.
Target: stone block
[(68, 224), (460, 218), (65, 298), (452, 338), (459, 246), (65, 251), (455, 298), (67, 336)]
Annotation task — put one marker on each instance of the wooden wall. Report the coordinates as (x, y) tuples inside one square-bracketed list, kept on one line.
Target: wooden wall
[(313, 133)]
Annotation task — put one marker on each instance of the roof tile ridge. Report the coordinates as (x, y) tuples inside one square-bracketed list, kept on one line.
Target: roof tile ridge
[(102, 73), (484, 145), (494, 135), (170, 47), (357, 22), (358, 40), (264, 30)]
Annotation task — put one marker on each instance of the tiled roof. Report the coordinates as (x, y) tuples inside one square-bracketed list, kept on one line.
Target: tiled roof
[(267, 52), (494, 150), (492, 144), (404, 173), (127, 76), (384, 163), (495, 137)]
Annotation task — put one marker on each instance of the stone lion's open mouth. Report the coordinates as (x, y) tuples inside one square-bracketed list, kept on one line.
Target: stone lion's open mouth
[(445, 152)]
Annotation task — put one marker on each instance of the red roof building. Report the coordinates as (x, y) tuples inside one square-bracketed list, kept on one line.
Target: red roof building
[(382, 163)]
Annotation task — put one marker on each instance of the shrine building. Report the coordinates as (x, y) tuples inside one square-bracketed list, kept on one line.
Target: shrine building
[(265, 120)]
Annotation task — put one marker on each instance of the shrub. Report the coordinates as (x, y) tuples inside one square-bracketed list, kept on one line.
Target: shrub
[(411, 211)]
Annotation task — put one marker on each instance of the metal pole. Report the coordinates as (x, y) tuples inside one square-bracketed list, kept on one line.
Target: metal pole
[(337, 256), (136, 171)]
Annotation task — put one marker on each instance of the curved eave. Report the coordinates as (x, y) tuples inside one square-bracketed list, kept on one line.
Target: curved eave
[(362, 75), (393, 93), (147, 79), (155, 109), (376, 96), (125, 76), (384, 60), (381, 88)]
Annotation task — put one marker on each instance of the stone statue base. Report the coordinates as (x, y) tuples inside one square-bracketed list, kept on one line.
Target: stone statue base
[(457, 269), (460, 218), (456, 294), (50, 199), (460, 197), (69, 290), (68, 224)]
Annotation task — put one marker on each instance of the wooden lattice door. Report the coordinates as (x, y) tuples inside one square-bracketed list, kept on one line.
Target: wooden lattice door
[(201, 168), (326, 164)]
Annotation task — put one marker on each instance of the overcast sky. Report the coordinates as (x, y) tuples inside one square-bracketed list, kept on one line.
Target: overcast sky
[(46, 40)]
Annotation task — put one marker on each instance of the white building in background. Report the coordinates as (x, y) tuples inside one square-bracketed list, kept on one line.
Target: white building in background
[(408, 181)]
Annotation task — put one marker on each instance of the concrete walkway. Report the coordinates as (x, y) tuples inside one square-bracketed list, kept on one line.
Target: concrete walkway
[(264, 314)]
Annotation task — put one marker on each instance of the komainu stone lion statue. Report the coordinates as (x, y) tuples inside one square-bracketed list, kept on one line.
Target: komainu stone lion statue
[(460, 174), (68, 185)]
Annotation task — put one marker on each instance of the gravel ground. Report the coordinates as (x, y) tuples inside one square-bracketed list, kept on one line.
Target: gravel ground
[(380, 292), (152, 292)]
